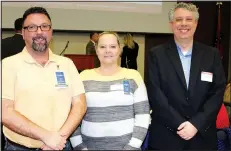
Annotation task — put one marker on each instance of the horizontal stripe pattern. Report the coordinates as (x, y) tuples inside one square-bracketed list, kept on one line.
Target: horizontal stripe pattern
[(142, 120), (105, 86), (109, 114), (128, 147), (107, 143), (116, 98), (80, 147), (136, 143), (140, 93), (77, 132), (104, 129), (139, 132), (114, 119), (115, 113), (76, 140), (142, 107)]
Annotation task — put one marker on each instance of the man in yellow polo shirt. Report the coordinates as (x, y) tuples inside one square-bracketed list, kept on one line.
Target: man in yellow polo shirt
[(43, 98)]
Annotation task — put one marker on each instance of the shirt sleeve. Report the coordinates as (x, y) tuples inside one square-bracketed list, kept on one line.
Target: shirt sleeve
[(77, 141), (8, 80), (142, 115), (76, 82)]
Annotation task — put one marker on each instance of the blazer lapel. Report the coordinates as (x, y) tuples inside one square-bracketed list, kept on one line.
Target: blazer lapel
[(174, 56), (195, 66)]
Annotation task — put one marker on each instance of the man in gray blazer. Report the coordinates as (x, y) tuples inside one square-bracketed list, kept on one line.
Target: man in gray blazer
[(90, 48)]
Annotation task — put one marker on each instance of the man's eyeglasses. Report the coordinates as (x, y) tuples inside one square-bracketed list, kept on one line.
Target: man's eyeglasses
[(34, 28)]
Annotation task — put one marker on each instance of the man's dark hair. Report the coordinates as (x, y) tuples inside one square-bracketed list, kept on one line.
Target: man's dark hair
[(92, 33), (35, 10), (18, 24)]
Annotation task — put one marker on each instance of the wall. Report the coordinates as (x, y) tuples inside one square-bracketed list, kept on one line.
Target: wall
[(75, 16), (78, 43)]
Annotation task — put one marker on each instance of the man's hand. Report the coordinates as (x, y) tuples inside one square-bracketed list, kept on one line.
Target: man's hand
[(186, 130), (54, 140), (45, 147), (63, 134)]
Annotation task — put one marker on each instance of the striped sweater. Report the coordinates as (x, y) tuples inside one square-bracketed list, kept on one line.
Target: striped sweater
[(117, 116)]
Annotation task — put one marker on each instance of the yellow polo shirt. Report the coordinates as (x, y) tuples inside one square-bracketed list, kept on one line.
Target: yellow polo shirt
[(36, 92)]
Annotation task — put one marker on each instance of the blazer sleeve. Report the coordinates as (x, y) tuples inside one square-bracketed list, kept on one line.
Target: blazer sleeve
[(157, 99), (90, 49), (136, 49), (202, 121), (4, 52)]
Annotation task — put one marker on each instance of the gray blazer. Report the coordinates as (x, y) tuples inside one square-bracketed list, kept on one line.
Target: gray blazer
[(90, 50)]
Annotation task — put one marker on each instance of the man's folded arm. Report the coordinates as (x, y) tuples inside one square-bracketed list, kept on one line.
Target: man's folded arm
[(19, 123)]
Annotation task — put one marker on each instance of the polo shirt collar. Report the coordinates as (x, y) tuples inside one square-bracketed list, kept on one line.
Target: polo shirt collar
[(28, 58)]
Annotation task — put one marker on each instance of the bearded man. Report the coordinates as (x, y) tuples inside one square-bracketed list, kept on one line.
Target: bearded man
[(43, 98)]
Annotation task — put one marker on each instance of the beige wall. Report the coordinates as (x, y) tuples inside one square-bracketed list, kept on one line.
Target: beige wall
[(72, 16), (78, 41)]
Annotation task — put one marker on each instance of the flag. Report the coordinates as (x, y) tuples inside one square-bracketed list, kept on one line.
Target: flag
[(218, 42)]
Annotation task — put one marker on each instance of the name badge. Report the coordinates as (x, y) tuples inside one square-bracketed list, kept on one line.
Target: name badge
[(60, 78), (116, 87), (126, 86), (207, 76)]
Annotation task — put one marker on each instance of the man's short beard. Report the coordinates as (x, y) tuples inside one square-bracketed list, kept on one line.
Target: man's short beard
[(39, 47)]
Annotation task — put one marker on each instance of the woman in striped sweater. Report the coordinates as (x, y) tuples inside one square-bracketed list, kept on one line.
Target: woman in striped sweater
[(117, 116)]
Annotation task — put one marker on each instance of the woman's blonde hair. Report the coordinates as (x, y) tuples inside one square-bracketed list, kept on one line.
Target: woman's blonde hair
[(227, 97), (128, 41), (110, 33)]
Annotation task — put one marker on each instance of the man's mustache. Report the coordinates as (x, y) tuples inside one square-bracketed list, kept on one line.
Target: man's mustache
[(39, 37)]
